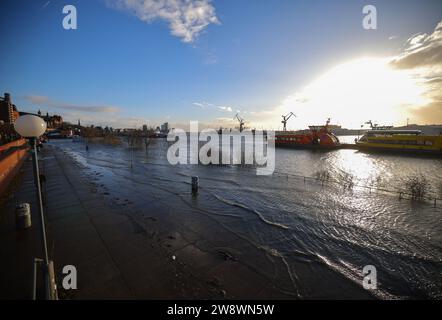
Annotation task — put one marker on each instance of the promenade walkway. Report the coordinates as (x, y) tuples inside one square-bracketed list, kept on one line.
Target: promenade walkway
[(114, 256)]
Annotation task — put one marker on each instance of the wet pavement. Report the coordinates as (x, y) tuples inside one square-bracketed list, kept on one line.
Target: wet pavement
[(115, 256)]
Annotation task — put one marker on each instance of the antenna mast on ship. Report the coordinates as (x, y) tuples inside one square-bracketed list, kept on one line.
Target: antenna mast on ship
[(372, 125)]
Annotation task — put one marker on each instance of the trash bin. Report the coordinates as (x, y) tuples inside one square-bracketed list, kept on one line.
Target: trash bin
[(23, 216)]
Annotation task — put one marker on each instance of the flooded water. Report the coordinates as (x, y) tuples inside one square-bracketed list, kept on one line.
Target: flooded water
[(345, 215)]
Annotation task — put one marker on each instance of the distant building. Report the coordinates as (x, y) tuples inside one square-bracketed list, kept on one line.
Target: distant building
[(52, 122), (164, 127), (8, 111)]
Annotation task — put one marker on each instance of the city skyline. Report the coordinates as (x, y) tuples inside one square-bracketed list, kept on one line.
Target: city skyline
[(136, 62)]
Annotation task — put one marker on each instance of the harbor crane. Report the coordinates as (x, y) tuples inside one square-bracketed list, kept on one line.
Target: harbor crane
[(241, 122), (285, 119)]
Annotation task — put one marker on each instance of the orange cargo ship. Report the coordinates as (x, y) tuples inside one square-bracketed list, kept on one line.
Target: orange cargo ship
[(317, 137)]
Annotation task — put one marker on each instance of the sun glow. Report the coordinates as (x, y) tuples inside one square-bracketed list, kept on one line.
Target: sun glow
[(355, 92)]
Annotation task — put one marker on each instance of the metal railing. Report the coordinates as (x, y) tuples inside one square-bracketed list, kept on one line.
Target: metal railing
[(350, 185)]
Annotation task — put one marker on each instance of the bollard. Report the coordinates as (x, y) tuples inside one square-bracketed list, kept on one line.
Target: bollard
[(435, 202), (195, 182), (23, 216)]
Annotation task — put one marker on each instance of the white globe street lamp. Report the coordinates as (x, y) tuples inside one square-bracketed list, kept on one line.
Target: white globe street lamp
[(29, 126), (32, 127)]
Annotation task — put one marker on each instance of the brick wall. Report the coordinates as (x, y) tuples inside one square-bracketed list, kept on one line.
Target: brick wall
[(12, 156)]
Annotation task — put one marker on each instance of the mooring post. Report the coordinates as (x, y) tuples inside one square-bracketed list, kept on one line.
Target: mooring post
[(195, 182), (400, 195)]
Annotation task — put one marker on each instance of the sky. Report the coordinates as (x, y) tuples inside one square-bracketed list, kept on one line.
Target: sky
[(135, 62)]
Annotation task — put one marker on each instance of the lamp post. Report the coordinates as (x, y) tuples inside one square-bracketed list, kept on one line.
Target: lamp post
[(32, 127)]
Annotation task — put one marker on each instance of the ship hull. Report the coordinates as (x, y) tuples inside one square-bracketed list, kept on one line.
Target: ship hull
[(403, 150), (400, 142), (306, 146)]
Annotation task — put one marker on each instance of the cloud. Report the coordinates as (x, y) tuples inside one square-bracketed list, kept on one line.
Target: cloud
[(422, 50), (430, 114), (206, 105), (107, 109), (223, 108), (422, 57), (44, 101), (186, 18), (202, 105), (37, 99)]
